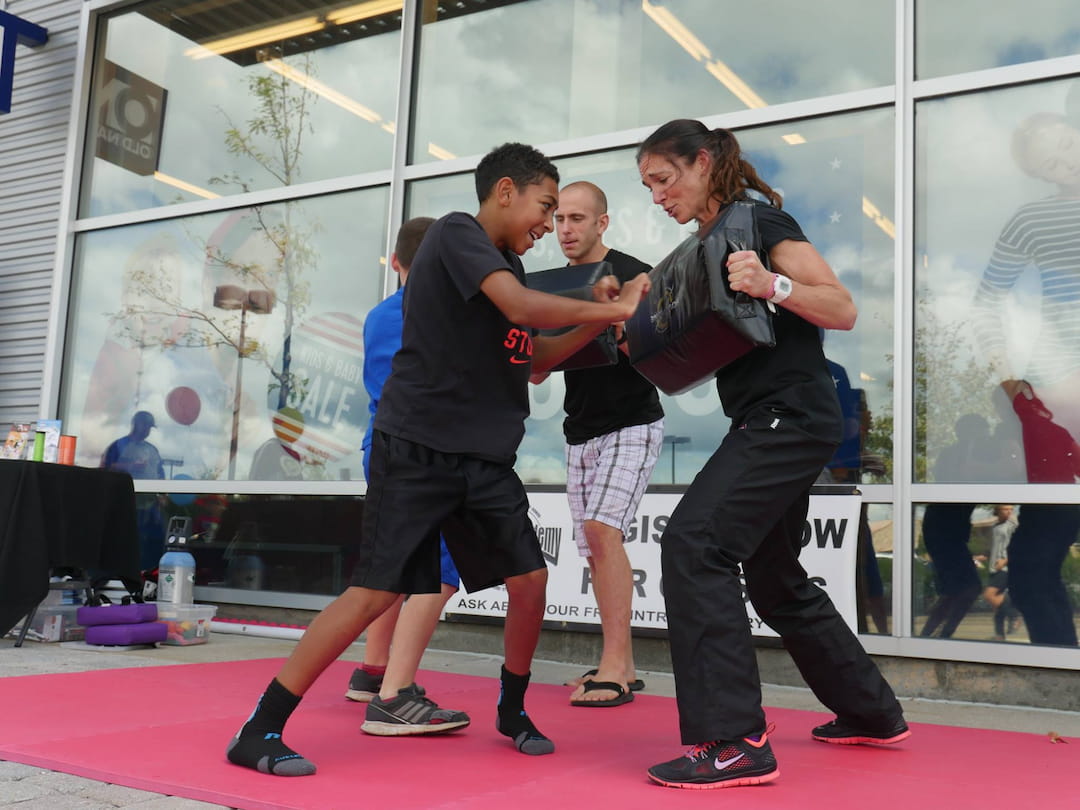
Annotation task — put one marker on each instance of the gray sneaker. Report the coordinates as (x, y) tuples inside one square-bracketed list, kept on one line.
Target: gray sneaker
[(363, 686), (411, 712)]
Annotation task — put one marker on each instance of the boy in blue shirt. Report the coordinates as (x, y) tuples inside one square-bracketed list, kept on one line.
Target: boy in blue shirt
[(394, 647)]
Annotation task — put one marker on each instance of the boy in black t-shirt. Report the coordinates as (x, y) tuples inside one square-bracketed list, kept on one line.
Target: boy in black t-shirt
[(446, 433)]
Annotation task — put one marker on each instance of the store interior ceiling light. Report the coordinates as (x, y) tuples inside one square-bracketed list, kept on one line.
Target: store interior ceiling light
[(437, 151), (244, 30), (688, 41), (295, 28), (362, 11), (260, 36), (324, 90), (673, 27), (183, 185)]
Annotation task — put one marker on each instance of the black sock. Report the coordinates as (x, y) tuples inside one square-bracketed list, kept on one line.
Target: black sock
[(512, 720), (258, 744)]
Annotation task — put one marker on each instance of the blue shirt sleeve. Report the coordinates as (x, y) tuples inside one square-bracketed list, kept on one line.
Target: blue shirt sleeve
[(382, 339), (112, 453)]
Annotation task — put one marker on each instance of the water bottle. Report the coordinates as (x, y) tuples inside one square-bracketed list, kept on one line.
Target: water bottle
[(176, 569)]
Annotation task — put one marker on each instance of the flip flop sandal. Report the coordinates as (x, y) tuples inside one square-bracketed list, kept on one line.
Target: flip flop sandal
[(624, 695), (635, 685)]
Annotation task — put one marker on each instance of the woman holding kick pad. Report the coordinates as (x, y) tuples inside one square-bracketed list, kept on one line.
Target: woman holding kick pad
[(748, 504)]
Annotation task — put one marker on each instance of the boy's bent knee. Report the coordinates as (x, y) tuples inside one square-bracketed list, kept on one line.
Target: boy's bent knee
[(528, 583)]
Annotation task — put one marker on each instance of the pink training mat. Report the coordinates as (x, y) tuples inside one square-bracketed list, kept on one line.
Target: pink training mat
[(598, 752)]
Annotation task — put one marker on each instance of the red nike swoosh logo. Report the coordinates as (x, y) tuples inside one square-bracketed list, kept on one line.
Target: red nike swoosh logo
[(519, 361)]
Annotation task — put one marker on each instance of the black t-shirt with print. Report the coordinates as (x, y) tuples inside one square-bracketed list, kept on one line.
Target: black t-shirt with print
[(608, 398), (792, 377), (459, 383)]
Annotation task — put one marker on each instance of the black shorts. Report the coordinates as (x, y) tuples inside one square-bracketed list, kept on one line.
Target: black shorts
[(999, 580), (414, 493)]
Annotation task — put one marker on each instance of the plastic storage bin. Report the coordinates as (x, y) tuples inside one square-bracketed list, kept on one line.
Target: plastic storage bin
[(188, 624), (53, 623)]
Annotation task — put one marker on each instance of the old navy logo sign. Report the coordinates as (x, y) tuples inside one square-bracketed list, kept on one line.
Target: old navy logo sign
[(15, 31), (130, 117), (550, 537)]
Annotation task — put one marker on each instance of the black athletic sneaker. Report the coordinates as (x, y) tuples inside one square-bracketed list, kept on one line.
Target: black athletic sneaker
[(410, 713), (839, 733), (720, 764), (363, 686)]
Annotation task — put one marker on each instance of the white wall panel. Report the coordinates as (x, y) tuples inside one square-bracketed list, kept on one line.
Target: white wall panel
[(32, 152)]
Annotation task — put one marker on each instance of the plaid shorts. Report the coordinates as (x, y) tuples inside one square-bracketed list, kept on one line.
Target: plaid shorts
[(606, 477)]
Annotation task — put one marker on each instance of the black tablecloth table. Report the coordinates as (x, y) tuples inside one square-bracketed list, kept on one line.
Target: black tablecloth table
[(53, 515)]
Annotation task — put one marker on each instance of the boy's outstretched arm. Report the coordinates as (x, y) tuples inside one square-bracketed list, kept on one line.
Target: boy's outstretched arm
[(545, 311), (550, 350)]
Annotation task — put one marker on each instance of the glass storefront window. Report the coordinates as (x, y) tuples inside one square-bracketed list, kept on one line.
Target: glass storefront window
[(550, 70), (193, 101), (964, 35), (837, 178), (258, 542), (836, 174), (997, 248), (438, 196), (239, 332), (997, 572)]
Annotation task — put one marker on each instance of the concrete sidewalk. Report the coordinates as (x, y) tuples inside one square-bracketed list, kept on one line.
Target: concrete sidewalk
[(28, 788)]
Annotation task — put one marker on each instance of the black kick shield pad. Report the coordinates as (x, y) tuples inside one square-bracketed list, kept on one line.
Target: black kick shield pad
[(692, 324), (576, 281)]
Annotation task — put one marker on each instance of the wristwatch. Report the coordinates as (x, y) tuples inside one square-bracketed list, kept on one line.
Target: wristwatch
[(781, 288)]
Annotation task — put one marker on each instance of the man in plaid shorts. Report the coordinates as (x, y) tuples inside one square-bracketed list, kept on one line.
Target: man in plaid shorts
[(614, 430)]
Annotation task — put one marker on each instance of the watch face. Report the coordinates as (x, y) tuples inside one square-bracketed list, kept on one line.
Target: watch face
[(783, 284)]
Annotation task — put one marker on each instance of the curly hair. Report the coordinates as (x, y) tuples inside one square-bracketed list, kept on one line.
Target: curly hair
[(523, 164)]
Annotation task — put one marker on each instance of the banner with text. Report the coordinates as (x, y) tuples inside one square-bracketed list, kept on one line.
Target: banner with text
[(828, 555)]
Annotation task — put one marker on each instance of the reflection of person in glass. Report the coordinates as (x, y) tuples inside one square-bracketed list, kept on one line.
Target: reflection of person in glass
[(138, 458), (1044, 234), (946, 527), (1046, 530), (996, 592), (132, 453), (846, 466), (749, 503), (130, 360), (946, 530)]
